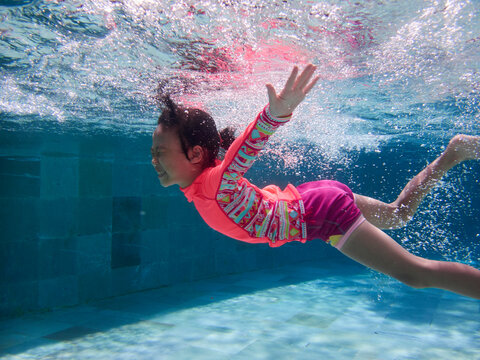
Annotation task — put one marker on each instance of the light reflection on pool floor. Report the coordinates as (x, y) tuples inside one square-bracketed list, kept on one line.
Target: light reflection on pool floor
[(329, 310)]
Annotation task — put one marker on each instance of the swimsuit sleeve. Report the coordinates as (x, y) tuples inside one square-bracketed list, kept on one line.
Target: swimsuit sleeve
[(245, 149), (246, 212)]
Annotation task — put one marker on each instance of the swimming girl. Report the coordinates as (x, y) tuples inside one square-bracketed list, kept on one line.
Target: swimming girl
[(184, 152)]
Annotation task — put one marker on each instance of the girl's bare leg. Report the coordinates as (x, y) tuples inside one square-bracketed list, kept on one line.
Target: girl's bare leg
[(399, 212), (373, 248)]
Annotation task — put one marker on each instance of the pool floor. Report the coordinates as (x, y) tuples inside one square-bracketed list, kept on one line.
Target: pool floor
[(324, 310)]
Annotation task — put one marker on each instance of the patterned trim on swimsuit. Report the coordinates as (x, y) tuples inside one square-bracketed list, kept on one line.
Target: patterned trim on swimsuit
[(276, 220)]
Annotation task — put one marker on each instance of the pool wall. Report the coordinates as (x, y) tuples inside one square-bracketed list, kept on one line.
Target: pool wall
[(83, 217)]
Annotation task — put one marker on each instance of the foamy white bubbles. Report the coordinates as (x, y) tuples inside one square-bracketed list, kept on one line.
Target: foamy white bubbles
[(103, 62)]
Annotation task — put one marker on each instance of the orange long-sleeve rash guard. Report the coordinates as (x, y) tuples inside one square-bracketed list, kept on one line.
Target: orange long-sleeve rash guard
[(230, 204)]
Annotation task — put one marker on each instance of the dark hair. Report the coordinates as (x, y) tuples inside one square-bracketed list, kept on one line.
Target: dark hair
[(195, 127)]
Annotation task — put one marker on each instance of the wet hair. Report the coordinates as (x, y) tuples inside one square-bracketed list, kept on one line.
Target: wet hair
[(195, 127)]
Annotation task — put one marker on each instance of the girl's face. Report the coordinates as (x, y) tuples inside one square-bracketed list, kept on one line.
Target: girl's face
[(169, 160)]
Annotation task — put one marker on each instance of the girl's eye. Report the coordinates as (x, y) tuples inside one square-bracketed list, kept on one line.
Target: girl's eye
[(156, 153)]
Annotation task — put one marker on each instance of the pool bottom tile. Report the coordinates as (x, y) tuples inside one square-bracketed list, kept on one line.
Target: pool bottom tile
[(258, 315)]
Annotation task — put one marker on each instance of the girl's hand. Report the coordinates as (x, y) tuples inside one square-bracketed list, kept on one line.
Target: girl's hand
[(295, 90)]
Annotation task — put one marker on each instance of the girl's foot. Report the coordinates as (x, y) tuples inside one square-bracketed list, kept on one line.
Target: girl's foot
[(463, 147)]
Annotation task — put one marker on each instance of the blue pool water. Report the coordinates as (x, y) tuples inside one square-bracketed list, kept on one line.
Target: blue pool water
[(98, 261)]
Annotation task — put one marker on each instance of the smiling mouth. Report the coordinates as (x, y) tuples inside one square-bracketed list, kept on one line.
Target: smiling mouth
[(161, 174)]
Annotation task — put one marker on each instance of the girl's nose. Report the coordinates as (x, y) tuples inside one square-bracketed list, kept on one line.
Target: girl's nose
[(154, 161)]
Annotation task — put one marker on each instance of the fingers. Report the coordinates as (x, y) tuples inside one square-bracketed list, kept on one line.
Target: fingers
[(302, 82), (292, 78), (296, 87), (311, 85), (272, 94), (304, 78)]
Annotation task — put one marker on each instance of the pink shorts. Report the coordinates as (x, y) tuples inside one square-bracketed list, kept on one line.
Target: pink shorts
[(330, 211)]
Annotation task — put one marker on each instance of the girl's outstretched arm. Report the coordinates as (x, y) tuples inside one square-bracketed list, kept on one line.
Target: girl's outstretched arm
[(295, 90)]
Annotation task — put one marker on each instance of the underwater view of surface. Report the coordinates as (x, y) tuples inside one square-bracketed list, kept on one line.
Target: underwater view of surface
[(388, 68)]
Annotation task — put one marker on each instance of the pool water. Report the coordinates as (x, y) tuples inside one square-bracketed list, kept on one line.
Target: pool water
[(90, 261), (314, 310)]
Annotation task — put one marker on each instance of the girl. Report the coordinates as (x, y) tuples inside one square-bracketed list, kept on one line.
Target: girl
[(184, 152)]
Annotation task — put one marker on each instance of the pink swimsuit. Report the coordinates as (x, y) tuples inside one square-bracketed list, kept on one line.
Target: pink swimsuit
[(230, 204)]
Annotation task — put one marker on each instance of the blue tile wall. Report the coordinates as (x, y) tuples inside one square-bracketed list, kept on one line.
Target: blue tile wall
[(94, 285), (94, 215), (20, 261), (125, 249), (19, 218), (19, 176), (61, 184), (58, 217), (56, 257), (126, 214), (57, 291), (127, 178), (93, 253), (154, 212), (18, 297), (84, 217), (95, 178)]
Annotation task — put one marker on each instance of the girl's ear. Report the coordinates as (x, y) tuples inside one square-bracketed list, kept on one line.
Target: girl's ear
[(197, 155)]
